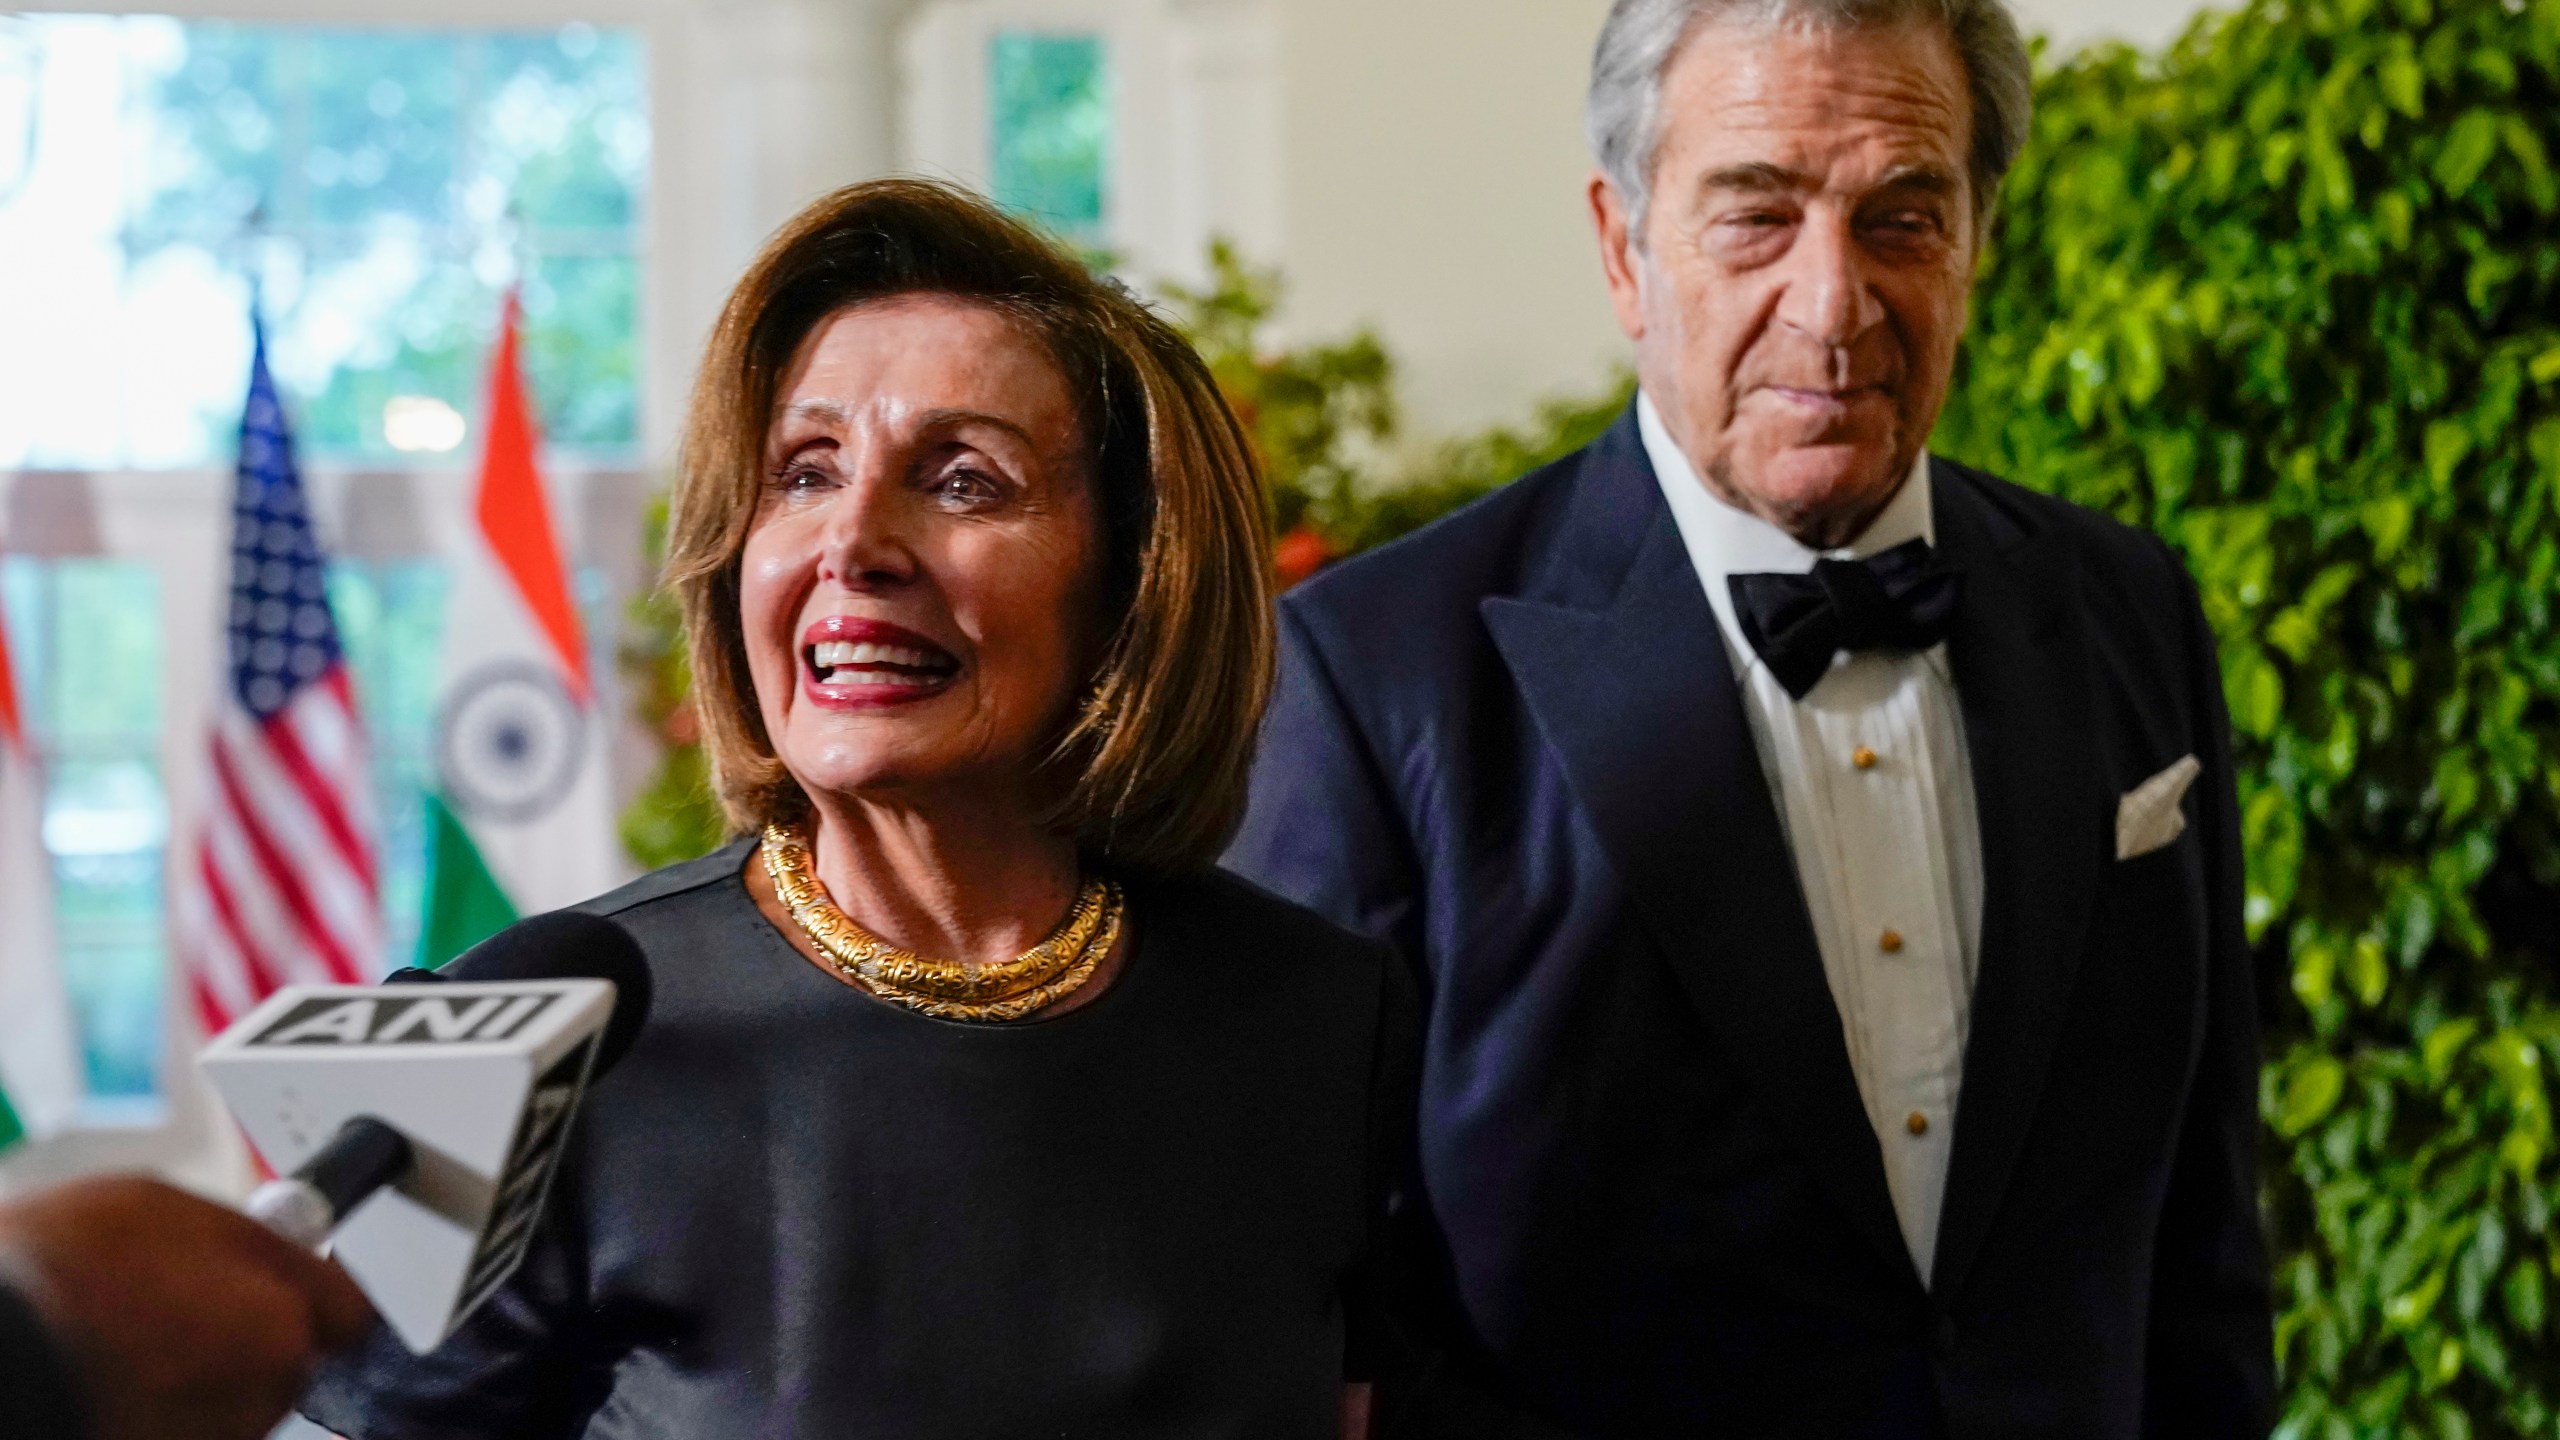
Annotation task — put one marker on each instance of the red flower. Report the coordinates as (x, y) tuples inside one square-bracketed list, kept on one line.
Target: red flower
[(1300, 553)]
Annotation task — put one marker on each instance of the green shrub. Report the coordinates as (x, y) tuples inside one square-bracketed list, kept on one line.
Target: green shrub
[(2286, 295)]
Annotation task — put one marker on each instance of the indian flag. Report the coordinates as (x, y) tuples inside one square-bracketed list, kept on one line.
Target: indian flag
[(522, 818), (40, 1074)]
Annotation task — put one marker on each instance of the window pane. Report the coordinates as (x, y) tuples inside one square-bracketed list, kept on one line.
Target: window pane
[(1050, 129), (383, 185), (86, 637)]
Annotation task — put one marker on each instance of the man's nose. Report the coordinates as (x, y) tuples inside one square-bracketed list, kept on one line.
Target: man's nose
[(1829, 296)]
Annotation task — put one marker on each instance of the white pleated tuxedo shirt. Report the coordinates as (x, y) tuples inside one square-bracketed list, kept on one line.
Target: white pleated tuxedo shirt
[(1875, 791)]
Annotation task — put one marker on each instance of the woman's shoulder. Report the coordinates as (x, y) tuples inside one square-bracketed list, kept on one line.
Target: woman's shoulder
[(664, 893), (1280, 970), (1244, 917)]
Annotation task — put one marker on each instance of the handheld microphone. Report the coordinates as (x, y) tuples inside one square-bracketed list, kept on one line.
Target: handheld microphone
[(423, 1118)]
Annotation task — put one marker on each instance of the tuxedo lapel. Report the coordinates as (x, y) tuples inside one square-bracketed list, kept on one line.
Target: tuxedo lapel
[(1618, 656), (2023, 680)]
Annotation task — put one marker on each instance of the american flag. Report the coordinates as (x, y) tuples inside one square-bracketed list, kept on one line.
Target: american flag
[(285, 884)]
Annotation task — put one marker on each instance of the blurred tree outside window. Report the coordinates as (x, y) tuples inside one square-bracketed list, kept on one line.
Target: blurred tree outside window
[(384, 186), (85, 634), (1049, 130)]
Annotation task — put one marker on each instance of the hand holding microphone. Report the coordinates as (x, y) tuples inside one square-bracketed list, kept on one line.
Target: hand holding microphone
[(424, 1117), (179, 1319)]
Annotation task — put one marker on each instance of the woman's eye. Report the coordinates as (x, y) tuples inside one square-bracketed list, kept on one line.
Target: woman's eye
[(968, 486)]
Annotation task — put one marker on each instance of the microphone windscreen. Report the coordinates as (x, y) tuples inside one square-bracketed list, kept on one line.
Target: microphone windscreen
[(567, 945)]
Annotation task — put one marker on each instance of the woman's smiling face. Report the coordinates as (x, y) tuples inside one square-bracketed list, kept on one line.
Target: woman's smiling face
[(921, 586)]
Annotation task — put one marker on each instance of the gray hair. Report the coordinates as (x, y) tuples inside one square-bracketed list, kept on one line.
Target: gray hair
[(1622, 111)]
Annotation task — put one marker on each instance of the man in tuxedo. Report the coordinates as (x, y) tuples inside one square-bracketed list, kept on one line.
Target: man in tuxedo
[(1820, 859)]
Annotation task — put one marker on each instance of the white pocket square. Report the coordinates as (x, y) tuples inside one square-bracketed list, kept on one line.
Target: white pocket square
[(2148, 816)]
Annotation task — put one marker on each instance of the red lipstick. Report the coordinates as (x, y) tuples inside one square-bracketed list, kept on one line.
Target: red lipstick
[(848, 663)]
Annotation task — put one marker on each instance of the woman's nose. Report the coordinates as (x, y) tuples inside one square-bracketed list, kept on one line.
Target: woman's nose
[(868, 540)]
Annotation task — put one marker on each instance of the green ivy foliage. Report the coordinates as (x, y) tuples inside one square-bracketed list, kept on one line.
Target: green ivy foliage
[(2289, 294)]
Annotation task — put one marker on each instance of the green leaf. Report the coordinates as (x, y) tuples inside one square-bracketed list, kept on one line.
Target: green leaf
[(2403, 83), (2523, 1294), (2543, 444), (2256, 692), (2397, 217), (2535, 158), (2387, 520), (2310, 1093), (2467, 150), (2404, 1310), (2315, 966), (2447, 442), (2368, 971), (2445, 1042)]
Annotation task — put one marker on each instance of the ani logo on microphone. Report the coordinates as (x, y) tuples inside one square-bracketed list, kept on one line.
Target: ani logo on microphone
[(509, 742), (414, 1019)]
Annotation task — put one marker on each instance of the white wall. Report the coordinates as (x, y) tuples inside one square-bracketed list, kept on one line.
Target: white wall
[(1432, 167), (2070, 24)]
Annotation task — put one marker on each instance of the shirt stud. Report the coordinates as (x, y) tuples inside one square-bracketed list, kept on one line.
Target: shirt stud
[(1863, 758), (1890, 942), (1917, 1124)]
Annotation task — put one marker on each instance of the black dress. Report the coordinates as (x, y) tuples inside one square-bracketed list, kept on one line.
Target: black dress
[(797, 1211)]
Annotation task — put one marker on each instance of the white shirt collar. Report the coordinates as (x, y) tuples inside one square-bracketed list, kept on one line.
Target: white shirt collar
[(1724, 541)]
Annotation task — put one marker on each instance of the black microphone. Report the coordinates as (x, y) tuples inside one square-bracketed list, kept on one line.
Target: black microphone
[(368, 1153), (563, 945)]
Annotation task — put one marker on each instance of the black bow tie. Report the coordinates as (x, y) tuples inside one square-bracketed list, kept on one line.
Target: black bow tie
[(1897, 599)]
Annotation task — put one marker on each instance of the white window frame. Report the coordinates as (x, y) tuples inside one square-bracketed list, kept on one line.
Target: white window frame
[(1194, 116)]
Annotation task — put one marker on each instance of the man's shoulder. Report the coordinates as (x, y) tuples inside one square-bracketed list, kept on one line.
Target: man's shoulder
[(1414, 591), (2104, 551)]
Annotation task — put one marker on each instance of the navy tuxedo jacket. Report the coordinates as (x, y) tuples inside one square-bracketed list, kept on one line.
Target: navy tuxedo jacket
[(1647, 1199)]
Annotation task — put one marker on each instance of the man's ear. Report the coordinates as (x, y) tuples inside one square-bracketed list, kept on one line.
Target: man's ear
[(1614, 226)]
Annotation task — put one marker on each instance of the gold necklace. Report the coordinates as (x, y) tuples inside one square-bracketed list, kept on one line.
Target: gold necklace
[(1039, 977)]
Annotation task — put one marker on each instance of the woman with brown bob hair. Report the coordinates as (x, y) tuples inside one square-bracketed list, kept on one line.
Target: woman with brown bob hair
[(973, 1101)]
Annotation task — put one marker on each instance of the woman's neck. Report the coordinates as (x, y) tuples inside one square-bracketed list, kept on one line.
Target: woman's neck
[(961, 878)]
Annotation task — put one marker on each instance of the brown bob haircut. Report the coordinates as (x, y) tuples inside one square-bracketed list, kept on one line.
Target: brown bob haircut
[(1150, 773)]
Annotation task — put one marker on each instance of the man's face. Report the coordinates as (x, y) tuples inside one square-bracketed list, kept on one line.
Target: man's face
[(1798, 287)]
